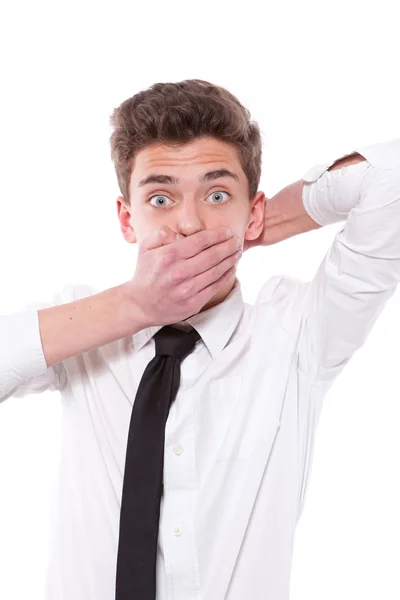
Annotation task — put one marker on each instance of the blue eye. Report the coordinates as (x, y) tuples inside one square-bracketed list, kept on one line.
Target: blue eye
[(164, 200), (218, 196)]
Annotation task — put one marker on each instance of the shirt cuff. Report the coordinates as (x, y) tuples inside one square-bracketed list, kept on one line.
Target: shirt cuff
[(22, 345), (329, 196)]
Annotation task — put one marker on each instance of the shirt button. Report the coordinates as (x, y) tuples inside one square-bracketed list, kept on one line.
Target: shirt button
[(343, 170), (177, 530), (178, 449)]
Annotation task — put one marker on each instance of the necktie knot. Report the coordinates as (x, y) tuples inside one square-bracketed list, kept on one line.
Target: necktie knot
[(175, 342)]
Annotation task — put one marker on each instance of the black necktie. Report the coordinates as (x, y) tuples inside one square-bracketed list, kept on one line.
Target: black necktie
[(143, 476)]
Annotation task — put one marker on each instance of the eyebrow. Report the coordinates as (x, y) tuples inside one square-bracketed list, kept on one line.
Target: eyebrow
[(167, 179)]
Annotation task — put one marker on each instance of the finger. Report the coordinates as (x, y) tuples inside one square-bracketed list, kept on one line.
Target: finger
[(158, 237), (168, 236), (197, 242)]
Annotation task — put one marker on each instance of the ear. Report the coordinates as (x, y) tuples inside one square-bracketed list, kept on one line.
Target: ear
[(257, 217), (124, 216)]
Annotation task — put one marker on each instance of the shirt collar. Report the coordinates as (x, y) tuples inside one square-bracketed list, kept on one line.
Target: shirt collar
[(215, 325)]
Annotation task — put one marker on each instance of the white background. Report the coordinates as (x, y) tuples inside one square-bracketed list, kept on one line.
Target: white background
[(321, 79)]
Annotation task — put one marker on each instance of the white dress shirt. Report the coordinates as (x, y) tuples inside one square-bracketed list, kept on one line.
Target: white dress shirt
[(240, 434)]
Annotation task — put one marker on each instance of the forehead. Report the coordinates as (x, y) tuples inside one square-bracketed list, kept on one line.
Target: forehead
[(195, 155)]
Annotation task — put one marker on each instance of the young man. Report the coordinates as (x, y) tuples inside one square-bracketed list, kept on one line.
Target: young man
[(238, 440)]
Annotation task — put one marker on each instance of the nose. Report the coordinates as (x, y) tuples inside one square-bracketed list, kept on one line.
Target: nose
[(189, 221), (189, 228)]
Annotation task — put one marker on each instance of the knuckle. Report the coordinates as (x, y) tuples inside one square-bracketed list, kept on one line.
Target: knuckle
[(185, 291), (177, 277), (163, 261), (167, 257)]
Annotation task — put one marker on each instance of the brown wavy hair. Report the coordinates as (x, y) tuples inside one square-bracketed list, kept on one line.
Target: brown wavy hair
[(177, 113)]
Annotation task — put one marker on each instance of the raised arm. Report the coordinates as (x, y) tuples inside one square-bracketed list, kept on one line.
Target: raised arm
[(361, 270)]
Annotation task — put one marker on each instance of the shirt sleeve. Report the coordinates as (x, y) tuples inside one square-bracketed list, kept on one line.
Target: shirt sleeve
[(361, 269), (23, 368)]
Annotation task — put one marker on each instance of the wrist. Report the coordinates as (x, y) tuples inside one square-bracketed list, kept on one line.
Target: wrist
[(286, 215), (132, 308)]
